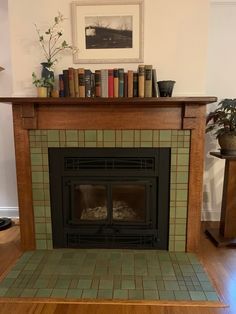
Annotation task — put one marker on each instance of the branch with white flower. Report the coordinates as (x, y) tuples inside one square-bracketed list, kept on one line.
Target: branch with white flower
[(51, 40)]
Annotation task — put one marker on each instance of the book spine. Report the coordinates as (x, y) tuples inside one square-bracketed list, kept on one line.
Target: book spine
[(87, 82), (141, 80), (76, 81), (66, 82), (81, 83), (135, 84), (130, 83), (61, 86), (104, 83), (116, 83), (98, 83), (110, 83), (71, 82), (121, 82), (154, 83), (148, 81), (92, 84), (125, 84)]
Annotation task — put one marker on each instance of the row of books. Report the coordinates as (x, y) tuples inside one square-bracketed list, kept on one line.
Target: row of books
[(108, 82)]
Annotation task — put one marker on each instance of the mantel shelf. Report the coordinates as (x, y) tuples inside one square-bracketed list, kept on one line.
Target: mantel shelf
[(155, 102)]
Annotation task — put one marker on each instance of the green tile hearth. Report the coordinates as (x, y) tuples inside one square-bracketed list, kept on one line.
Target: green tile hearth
[(177, 140), (62, 273)]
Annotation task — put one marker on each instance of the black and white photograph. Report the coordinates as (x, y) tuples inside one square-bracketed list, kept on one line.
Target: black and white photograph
[(108, 32)]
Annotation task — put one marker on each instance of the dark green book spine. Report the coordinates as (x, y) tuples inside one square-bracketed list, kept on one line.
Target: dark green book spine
[(66, 83), (87, 83), (135, 87), (121, 82)]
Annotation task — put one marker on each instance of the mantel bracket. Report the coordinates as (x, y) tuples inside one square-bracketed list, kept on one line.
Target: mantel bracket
[(28, 116), (191, 114)]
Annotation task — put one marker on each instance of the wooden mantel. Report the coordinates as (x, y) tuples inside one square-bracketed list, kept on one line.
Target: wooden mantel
[(176, 113)]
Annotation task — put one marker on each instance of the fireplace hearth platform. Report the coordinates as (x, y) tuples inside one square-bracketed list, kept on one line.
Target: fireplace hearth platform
[(115, 275)]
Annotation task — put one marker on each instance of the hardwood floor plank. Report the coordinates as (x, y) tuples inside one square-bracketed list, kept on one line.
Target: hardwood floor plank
[(220, 264), (102, 309)]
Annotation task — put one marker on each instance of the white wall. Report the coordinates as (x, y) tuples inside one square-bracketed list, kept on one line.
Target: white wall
[(221, 82), (175, 43), (8, 195)]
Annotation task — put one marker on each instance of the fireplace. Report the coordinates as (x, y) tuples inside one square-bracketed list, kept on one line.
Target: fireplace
[(110, 197), (176, 122)]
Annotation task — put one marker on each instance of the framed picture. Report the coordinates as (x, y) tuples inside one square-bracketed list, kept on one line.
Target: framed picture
[(108, 31)]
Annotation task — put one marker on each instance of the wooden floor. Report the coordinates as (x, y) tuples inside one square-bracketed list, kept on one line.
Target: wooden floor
[(220, 263)]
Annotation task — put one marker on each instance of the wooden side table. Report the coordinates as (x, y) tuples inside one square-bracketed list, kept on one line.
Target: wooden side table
[(226, 235)]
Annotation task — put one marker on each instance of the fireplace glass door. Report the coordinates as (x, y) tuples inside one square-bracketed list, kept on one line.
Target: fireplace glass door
[(129, 202), (90, 202), (108, 202)]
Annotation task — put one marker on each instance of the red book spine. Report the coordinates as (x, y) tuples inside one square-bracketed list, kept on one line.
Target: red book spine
[(110, 83)]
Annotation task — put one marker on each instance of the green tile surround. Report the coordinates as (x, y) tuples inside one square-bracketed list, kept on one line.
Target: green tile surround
[(178, 140), (101, 274)]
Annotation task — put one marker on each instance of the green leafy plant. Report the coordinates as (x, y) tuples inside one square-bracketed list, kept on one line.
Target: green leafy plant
[(42, 82), (223, 119), (51, 40)]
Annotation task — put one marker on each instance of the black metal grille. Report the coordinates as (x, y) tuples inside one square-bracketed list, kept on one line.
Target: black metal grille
[(121, 163), (130, 241)]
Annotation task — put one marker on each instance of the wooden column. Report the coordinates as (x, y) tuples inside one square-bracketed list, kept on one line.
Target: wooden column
[(24, 181), (226, 234), (194, 119)]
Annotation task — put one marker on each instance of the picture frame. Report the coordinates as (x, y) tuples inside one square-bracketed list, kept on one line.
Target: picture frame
[(108, 31)]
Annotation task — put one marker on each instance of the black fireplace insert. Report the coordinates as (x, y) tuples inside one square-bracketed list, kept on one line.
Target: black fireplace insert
[(110, 197)]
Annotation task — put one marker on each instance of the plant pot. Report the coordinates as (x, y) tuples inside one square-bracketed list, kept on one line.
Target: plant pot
[(47, 71), (165, 88), (42, 92), (227, 142)]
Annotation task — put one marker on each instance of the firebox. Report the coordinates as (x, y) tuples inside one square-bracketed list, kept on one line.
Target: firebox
[(110, 197)]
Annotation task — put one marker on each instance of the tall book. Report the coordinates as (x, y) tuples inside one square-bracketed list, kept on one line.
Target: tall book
[(76, 81), (104, 83), (141, 80), (81, 83), (148, 81), (98, 83), (130, 83), (154, 83), (116, 83), (121, 82), (92, 84), (66, 83), (71, 82), (61, 86), (135, 84), (87, 82), (110, 83), (125, 84)]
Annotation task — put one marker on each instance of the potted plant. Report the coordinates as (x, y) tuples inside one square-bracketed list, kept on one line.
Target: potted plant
[(44, 85), (223, 122), (52, 44)]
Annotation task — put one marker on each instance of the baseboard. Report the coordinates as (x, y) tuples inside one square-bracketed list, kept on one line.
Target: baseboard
[(11, 212), (210, 215)]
